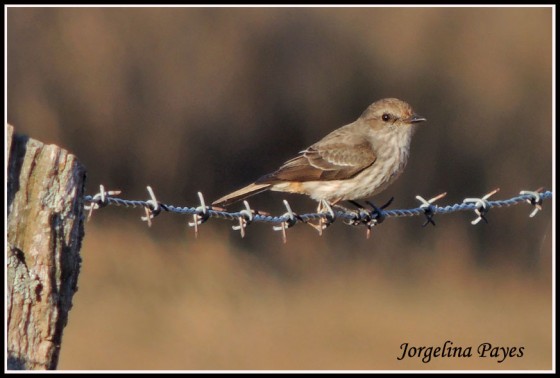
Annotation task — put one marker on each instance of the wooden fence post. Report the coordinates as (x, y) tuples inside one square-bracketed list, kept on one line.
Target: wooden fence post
[(45, 189)]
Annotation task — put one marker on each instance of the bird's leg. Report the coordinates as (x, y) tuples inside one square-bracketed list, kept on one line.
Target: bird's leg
[(356, 203), (382, 207), (345, 209), (361, 211), (363, 208)]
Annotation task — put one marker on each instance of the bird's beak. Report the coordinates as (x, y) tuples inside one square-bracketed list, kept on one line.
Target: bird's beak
[(415, 118)]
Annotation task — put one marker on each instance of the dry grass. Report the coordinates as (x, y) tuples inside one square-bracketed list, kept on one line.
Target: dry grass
[(187, 304)]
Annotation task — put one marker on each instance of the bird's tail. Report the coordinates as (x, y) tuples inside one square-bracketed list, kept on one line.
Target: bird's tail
[(241, 194)]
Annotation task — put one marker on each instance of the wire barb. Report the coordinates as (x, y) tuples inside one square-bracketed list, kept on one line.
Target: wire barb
[(326, 216), (100, 200), (482, 206), (378, 215), (535, 200), (152, 207), (291, 220), (330, 216), (429, 209), (200, 216), (245, 219)]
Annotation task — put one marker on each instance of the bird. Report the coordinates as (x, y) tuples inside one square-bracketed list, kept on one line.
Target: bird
[(355, 161)]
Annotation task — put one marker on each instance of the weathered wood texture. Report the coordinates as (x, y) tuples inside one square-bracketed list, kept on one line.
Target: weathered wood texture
[(45, 188)]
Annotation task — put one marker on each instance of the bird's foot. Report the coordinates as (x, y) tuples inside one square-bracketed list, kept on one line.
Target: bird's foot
[(368, 217)]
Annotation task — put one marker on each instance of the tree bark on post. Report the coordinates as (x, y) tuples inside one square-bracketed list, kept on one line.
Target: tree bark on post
[(45, 189)]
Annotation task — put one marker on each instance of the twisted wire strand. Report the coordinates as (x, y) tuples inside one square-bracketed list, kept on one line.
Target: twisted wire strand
[(203, 212)]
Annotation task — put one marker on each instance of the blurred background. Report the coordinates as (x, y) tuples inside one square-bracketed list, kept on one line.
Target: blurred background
[(209, 99)]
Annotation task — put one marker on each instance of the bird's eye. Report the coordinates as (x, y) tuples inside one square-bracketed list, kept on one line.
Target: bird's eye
[(385, 117)]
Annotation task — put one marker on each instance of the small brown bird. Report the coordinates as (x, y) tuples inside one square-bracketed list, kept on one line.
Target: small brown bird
[(353, 162)]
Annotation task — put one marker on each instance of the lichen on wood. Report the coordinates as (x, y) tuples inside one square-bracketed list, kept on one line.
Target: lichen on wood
[(45, 188)]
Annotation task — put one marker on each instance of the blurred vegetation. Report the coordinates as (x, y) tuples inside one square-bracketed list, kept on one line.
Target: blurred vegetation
[(209, 99)]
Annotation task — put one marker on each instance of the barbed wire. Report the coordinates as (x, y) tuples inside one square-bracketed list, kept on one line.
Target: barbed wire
[(325, 215)]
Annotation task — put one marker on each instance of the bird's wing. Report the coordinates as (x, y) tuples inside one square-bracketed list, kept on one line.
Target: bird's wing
[(339, 156)]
